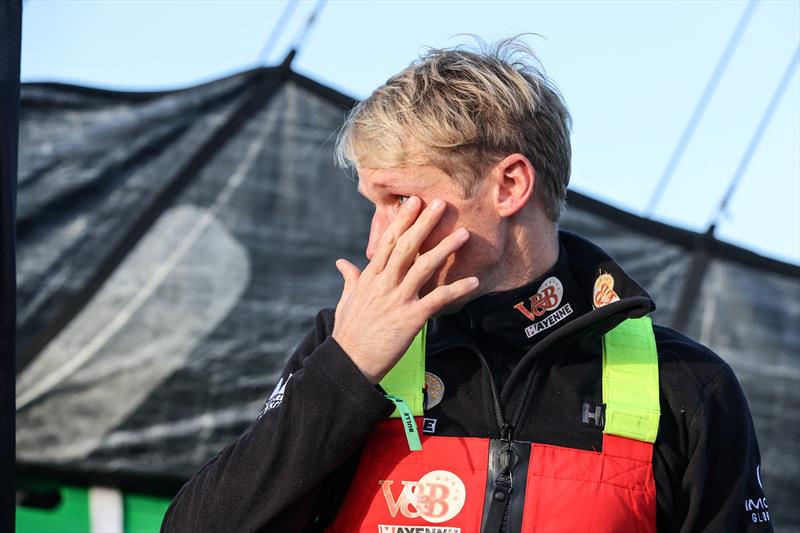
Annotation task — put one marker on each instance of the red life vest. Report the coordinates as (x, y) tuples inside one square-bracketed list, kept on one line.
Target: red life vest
[(466, 484)]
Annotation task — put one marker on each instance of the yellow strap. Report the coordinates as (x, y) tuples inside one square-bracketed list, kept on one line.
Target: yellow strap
[(407, 379), (630, 380)]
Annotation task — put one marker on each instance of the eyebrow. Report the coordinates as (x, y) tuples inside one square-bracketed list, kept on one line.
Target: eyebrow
[(360, 189)]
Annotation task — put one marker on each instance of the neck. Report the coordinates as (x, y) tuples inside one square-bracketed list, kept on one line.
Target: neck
[(531, 249)]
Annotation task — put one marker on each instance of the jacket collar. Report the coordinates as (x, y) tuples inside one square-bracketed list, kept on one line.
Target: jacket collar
[(585, 287)]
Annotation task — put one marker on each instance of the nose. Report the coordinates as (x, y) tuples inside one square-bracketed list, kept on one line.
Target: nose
[(376, 229)]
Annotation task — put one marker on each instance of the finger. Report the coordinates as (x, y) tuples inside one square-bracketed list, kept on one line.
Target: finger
[(446, 294), (350, 273), (426, 264), (407, 247), (404, 219)]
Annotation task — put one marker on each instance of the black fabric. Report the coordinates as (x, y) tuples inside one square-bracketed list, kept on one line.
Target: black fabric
[(705, 456), (193, 339), (512, 506), (506, 317), (10, 32), (260, 261)]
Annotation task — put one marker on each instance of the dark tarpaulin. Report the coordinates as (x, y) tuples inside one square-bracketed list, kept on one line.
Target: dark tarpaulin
[(174, 247), (10, 34)]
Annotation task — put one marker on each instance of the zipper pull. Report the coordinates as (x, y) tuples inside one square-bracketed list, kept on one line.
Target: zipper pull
[(507, 459), (504, 482)]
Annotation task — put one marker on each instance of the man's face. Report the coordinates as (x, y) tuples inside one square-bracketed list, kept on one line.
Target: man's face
[(388, 188)]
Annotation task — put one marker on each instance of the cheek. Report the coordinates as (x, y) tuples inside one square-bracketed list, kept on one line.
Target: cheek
[(448, 224)]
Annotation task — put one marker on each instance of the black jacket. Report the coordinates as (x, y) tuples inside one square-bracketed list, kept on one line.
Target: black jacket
[(289, 471)]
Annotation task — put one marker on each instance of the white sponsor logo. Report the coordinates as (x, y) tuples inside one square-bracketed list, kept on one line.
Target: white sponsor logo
[(755, 505), (758, 508), (276, 397), (437, 497), (429, 425), (417, 529), (537, 327)]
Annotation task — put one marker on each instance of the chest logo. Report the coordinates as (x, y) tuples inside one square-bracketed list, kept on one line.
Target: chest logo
[(604, 291), (546, 299), (434, 390), (438, 496)]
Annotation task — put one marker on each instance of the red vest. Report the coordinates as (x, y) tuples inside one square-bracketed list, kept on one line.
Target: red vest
[(450, 486)]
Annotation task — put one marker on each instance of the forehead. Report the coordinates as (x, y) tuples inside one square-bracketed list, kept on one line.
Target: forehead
[(413, 179)]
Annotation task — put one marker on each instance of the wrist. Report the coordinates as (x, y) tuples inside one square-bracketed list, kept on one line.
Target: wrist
[(366, 365)]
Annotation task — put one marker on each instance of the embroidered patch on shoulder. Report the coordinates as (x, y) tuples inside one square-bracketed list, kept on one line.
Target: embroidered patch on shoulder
[(434, 390), (603, 293)]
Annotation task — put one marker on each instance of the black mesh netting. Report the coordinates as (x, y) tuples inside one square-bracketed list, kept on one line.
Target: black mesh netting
[(171, 253)]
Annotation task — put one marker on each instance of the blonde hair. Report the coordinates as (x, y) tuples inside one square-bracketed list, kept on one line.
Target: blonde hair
[(463, 111)]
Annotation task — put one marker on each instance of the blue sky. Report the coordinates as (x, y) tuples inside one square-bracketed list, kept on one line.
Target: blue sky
[(631, 73)]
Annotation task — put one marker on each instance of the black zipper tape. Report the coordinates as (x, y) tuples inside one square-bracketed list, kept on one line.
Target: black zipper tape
[(505, 486)]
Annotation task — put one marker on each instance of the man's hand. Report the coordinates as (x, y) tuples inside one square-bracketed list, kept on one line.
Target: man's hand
[(380, 310)]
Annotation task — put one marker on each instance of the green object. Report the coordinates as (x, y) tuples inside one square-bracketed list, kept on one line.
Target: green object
[(409, 424), (141, 513), (144, 514), (630, 380), (71, 515), (407, 379)]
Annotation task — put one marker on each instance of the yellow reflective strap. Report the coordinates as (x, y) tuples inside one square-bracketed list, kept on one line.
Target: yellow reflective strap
[(630, 380), (407, 379)]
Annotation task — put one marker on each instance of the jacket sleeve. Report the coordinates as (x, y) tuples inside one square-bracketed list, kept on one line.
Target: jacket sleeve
[(272, 477), (721, 487)]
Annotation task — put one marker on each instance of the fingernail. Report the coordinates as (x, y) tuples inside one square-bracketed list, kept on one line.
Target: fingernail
[(412, 202), (462, 233), (473, 282), (436, 204)]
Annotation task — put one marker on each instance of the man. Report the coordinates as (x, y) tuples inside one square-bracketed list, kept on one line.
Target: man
[(551, 404)]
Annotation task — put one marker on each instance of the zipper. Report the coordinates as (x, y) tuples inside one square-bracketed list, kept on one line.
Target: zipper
[(500, 499), (498, 410)]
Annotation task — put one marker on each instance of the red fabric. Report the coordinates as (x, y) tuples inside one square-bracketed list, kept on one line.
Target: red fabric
[(568, 490), (578, 490), (377, 491)]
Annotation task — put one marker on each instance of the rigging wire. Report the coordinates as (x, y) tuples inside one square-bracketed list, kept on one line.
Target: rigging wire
[(305, 31), (756, 139), (701, 106), (277, 31)]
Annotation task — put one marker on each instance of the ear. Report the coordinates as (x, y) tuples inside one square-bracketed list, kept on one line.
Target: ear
[(514, 178)]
